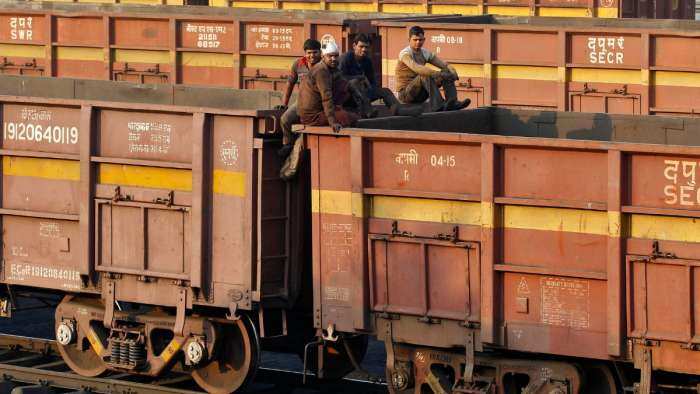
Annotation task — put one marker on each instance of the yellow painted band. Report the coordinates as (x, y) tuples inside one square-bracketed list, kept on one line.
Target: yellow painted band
[(463, 70), (488, 218), (198, 59), (525, 72), (218, 3), (65, 170), (253, 4), (555, 219), (426, 210), (95, 342), (403, 8), (170, 350), (605, 75), (337, 202), (564, 12), (289, 5), (139, 56), (665, 228), (22, 50), (676, 78), (602, 12), (75, 53), (230, 183), (151, 177), (645, 77), (614, 224), (514, 11), (273, 62), (352, 7), (438, 9), (561, 74)]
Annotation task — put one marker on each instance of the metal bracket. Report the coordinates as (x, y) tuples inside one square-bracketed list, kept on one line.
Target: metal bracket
[(657, 253), (329, 333), (395, 230), (453, 237), (109, 300), (469, 358), (167, 201), (181, 311), (233, 312)]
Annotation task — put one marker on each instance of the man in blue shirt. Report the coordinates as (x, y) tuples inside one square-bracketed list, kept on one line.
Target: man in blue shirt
[(356, 67)]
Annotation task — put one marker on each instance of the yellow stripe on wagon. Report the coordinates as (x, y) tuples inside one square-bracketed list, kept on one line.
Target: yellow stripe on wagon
[(676, 78), (526, 72), (555, 219), (665, 228), (446, 9), (77, 53), (22, 50), (426, 210), (141, 176), (352, 7), (230, 183), (141, 56), (56, 169), (273, 62), (197, 59), (632, 77), (403, 8)]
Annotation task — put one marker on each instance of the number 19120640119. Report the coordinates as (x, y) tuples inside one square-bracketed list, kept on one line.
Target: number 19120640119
[(20, 131)]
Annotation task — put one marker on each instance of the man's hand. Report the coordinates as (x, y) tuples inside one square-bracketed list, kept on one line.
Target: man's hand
[(336, 127), (448, 75), (280, 107)]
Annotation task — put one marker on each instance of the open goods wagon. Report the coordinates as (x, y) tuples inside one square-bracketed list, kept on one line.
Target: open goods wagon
[(572, 237), (239, 48), (177, 209), (659, 9), (564, 64)]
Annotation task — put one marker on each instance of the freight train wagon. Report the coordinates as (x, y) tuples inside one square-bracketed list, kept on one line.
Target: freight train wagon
[(167, 227), (563, 64), (509, 251), (238, 48), (655, 9)]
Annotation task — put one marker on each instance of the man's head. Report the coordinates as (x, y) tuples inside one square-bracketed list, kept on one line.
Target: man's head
[(360, 45), (416, 37), (330, 55), (312, 51)]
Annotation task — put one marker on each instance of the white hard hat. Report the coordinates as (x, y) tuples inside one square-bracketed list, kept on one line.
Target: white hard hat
[(330, 47)]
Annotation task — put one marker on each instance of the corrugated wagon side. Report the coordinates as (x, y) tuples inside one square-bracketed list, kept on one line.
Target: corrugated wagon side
[(167, 227), (568, 236)]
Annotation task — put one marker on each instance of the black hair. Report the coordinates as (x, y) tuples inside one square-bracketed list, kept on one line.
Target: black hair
[(362, 37), (416, 31), (312, 45)]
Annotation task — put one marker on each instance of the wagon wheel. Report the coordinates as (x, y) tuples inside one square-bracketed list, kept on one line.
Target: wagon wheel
[(83, 362), (400, 381), (235, 358), (600, 379)]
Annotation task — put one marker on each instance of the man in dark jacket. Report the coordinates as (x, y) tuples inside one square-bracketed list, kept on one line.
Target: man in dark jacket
[(317, 105), (356, 66)]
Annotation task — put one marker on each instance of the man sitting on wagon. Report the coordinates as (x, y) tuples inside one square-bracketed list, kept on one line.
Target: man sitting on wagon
[(356, 67), (417, 82), (323, 91)]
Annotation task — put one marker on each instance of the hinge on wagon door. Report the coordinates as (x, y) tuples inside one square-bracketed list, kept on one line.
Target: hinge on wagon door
[(118, 196), (389, 316), (395, 230), (453, 237), (691, 346), (656, 252)]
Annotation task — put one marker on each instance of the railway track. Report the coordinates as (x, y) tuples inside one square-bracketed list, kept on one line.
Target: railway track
[(34, 366)]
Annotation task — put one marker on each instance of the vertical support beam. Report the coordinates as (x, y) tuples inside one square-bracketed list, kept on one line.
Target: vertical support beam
[(86, 217), (314, 146), (615, 266), (533, 7), (358, 206), (488, 246), (200, 197), (237, 59), (646, 74), (172, 46), (49, 52), (488, 67), (481, 7), (107, 51), (562, 78), (591, 8)]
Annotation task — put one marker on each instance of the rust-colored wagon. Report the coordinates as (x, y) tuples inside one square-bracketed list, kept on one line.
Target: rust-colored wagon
[(660, 9), (563, 64), (238, 48), (501, 250), (168, 227)]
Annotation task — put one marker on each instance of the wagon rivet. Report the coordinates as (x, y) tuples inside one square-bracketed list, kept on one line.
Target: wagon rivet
[(64, 333)]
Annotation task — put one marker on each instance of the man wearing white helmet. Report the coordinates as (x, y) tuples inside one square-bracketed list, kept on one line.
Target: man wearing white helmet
[(317, 105)]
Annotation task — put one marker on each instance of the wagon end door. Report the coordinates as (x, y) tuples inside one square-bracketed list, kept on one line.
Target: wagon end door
[(425, 280)]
